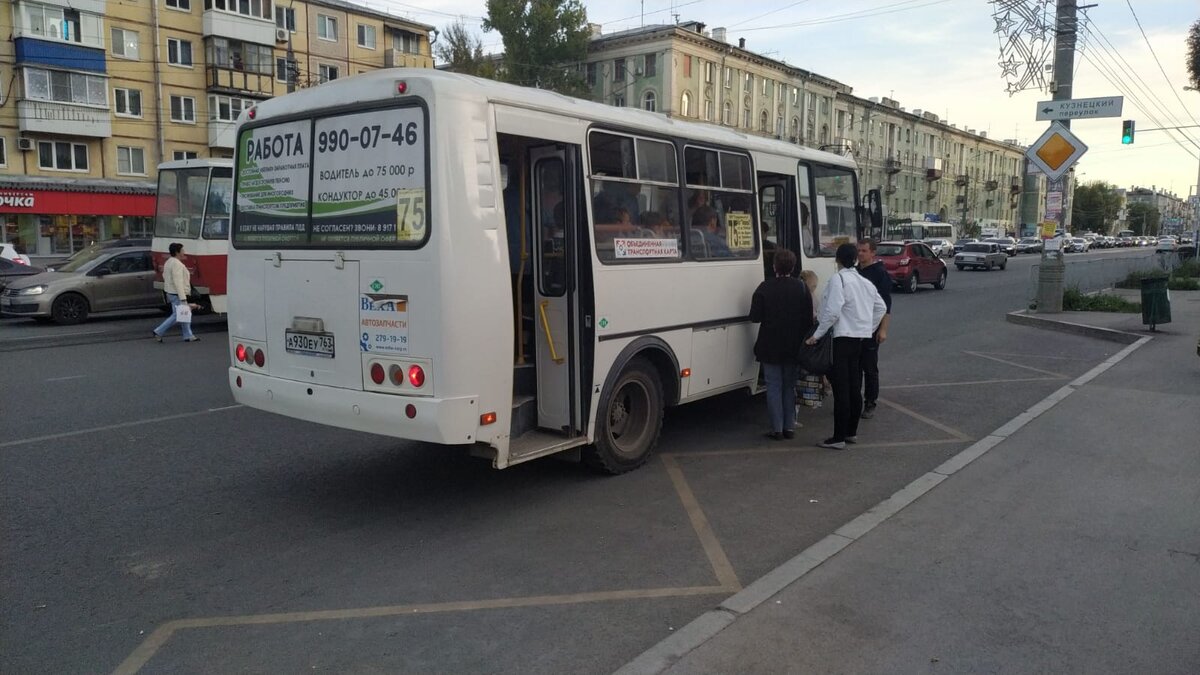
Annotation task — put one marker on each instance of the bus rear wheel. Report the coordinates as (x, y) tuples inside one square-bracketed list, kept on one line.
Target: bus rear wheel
[(630, 420)]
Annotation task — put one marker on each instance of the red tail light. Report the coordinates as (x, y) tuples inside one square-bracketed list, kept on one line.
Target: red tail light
[(260, 358), (241, 353), (410, 411), (416, 376), (377, 374)]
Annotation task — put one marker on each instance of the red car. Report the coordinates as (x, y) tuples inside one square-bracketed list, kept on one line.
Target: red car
[(912, 263)]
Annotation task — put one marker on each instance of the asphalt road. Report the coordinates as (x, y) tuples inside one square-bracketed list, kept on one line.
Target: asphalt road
[(148, 525)]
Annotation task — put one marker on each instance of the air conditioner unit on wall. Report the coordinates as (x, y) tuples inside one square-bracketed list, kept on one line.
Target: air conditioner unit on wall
[(25, 144), (281, 35)]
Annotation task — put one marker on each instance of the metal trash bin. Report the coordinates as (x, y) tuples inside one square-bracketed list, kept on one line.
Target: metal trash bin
[(1156, 303)]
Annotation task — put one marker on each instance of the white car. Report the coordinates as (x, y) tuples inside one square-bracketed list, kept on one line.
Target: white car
[(9, 252), (942, 248), (1166, 245)]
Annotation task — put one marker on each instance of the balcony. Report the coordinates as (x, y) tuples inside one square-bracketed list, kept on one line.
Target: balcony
[(933, 168), (991, 185), (44, 117), (242, 27), (892, 166), (230, 80), (930, 196), (1014, 185), (889, 189), (222, 134), (962, 179), (396, 58)]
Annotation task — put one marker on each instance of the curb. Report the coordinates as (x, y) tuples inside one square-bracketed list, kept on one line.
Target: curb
[(672, 649), (1025, 318)]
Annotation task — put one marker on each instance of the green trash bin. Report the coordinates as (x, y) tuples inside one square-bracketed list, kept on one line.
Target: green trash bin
[(1156, 304)]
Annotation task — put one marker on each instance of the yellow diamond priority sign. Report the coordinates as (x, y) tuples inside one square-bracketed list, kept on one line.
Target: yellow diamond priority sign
[(1056, 151)]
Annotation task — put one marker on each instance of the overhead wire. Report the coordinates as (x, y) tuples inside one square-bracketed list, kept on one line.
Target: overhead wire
[(893, 8), (1160, 65)]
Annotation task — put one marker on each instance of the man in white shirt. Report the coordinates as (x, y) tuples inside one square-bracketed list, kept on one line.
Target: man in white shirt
[(852, 308)]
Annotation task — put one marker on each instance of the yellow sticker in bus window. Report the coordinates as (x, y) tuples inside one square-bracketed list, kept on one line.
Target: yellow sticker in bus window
[(410, 214), (741, 231)]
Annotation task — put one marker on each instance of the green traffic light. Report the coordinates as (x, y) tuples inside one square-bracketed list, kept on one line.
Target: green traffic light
[(1127, 132)]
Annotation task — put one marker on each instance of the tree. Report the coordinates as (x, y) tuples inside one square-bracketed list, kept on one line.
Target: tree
[(1193, 55), (462, 52), (545, 41), (1143, 218), (1095, 206), (970, 230)]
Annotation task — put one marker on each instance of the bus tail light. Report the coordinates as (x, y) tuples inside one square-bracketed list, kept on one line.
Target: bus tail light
[(396, 375), (416, 376), (241, 353), (487, 418), (401, 87), (377, 374), (260, 358), (410, 411), (686, 372)]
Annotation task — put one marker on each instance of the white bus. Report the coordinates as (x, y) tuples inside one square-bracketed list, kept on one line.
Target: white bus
[(194, 199), (441, 258)]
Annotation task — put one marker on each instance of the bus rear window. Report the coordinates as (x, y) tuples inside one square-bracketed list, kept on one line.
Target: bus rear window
[(367, 172)]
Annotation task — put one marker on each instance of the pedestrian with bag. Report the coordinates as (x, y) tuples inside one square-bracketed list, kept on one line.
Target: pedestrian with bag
[(851, 310), (874, 271), (177, 283), (782, 307)]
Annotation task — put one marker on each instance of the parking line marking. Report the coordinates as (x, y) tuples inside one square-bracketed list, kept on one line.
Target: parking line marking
[(1015, 364), (708, 540), (110, 427), (152, 644), (960, 384), (65, 378), (1041, 356), (921, 418)]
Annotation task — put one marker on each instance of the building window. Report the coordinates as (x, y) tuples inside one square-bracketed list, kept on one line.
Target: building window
[(124, 43), (185, 5), (651, 65), (409, 43), (708, 72), (708, 109), (183, 109), (58, 156), (366, 36), (259, 9), (795, 132), (227, 108), (327, 27), (238, 55), (619, 70), (687, 65), (763, 121), (63, 87), (285, 71), (685, 105), (328, 73), (747, 116), (179, 155), (128, 102), (748, 85), (766, 86), (779, 125), (59, 23), (727, 114), (131, 161), (285, 17), (3, 151), (619, 100), (650, 102), (179, 52), (589, 71), (728, 77)]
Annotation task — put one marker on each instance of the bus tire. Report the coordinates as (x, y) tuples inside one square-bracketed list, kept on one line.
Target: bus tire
[(630, 419)]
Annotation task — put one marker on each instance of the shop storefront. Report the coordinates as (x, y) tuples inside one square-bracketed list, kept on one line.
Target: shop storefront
[(56, 219)]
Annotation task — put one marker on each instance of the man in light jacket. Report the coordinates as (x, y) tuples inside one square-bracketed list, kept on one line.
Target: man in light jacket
[(852, 309), (177, 282)]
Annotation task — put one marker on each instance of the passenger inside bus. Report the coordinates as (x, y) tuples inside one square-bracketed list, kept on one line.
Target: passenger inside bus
[(706, 222)]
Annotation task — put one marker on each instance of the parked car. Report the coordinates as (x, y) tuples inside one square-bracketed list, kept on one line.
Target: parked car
[(961, 243), (1030, 245), (984, 255), (1166, 245), (11, 270), (1076, 245), (1006, 244), (912, 263), (9, 252), (942, 248), (90, 250), (109, 279)]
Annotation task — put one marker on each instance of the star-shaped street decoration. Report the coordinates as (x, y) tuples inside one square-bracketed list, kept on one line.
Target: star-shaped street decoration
[(1004, 23), (1010, 67)]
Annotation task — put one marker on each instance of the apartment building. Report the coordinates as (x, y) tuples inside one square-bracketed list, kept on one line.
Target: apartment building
[(1174, 212), (97, 93), (926, 167)]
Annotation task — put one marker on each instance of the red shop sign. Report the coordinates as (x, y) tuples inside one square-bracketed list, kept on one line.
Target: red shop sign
[(59, 202)]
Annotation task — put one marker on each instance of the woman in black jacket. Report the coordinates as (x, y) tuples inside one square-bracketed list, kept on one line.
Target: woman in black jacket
[(784, 309)]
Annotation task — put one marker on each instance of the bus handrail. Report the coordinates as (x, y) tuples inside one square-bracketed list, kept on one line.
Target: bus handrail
[(549, 338)]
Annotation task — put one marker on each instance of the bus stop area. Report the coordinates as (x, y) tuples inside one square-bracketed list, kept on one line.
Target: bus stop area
[(151, 526)]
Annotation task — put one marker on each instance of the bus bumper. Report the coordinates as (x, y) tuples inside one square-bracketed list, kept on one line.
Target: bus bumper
[(449, 421)]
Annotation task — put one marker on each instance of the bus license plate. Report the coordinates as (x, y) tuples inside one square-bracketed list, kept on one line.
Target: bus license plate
[(308, 344)]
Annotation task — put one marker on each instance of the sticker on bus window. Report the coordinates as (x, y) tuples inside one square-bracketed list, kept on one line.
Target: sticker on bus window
[(383, 321), (410, 214), (741, 231), (626, 249)]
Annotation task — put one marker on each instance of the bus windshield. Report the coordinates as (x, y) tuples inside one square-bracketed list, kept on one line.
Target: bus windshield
[(836, 198)]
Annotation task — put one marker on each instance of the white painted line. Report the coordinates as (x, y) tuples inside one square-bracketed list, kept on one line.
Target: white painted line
[(64, 379), (110, 427), (57, 335), (663, 655)]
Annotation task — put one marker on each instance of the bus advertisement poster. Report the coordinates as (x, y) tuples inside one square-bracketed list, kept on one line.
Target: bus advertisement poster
[(383, 321), (741, 231), (272, 183)]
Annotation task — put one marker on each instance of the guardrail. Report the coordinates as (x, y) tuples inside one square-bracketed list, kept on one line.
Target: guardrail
[(1098, 273)]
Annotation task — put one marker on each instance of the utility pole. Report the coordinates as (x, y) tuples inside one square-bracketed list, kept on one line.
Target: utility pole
[(1053, 269)]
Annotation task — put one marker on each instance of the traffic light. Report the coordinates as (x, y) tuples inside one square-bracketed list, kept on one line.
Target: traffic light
[(1127, 132)]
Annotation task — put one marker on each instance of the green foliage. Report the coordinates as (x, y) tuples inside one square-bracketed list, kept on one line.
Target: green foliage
[(971, 230), (1189, 269), (1143, 218), (1074, 301), (1183, 284), (462, 52), (545, 41), (1095, 207), (1134, 280), (1193, 54)]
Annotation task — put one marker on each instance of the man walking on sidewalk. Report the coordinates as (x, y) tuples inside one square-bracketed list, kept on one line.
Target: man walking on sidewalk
[(874, 271)]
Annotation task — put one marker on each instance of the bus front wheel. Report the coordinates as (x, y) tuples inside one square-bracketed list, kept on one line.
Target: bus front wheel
[(630, 420)]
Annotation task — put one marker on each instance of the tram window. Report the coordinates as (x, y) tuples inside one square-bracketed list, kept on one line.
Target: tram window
[(220, 196)]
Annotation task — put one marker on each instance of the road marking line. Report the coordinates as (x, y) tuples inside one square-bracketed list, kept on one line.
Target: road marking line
[(783, 449), (150, 646), (1040, 356), (110, 427), (65, 378), (921, 418), (961, 384), (50, 337), (1015, 364), (708, 540)]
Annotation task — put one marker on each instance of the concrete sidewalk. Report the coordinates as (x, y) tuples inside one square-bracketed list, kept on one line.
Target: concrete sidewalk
[(1072, 545)]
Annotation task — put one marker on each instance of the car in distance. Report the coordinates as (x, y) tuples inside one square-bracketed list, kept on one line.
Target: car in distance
[(961, 243), (1029, 245), (90, 250), (110, 279), (11, 270), (984, 255), (1166, 245), (912, 263), (942, 248), (1006, 244), (1076, 245), (9, 252)]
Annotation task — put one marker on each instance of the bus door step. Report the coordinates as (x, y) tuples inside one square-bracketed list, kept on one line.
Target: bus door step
[(524, 415)]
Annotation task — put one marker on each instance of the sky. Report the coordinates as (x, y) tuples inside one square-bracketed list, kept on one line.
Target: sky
[(943, 56)]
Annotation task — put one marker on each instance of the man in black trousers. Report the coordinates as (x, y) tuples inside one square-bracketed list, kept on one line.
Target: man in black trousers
[(874, 271)]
